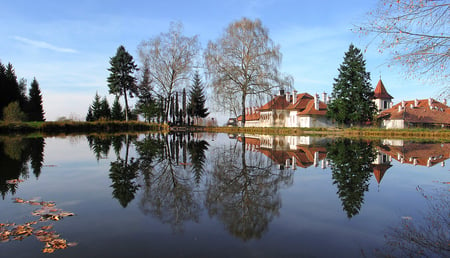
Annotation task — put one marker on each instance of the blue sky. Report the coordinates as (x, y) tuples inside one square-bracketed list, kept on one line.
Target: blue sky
[(66, 45)]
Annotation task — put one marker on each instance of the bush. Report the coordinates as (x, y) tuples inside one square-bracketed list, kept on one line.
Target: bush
[(13, 113)]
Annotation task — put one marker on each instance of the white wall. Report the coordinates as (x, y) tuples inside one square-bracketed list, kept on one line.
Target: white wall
[(394, 124)]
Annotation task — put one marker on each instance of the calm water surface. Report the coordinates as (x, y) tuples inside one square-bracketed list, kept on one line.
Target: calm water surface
[(218, 195)]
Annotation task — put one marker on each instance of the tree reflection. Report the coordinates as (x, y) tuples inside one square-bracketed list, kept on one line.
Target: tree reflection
[(428, 237), (351, 165), (15, 153), (123, 174), (100, 145), (197, 150), (169, 188), (243, 191)]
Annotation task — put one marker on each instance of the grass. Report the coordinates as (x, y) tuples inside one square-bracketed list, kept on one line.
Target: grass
[(71, 127), (366, 132)]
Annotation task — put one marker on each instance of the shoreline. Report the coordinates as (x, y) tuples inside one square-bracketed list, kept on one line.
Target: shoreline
[(58, 128)]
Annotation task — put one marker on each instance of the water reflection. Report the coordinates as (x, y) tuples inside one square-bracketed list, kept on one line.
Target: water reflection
[(351, 166), (243, 191), (15, 154), (427, 236), (169, 189)]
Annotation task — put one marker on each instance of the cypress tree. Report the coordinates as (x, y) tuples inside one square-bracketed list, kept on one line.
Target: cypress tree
[(35, 110), (352, 91), (197, 99)]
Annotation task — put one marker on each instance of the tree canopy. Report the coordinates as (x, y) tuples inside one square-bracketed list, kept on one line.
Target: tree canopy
[(352, 94), (416, 34), (170, 58), (244, 61)]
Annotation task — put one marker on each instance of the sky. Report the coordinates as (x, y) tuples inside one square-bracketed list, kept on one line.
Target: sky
[(67, 45)]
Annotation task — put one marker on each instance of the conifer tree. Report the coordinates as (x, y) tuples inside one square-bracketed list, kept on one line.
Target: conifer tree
[(8, 86), (116, 111), (352, 93), (94, 109), (197, 99), (121, 81), (105, 110), (35, 110)]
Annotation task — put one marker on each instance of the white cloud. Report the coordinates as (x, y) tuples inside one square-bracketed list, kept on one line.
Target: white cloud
[(45, 45)]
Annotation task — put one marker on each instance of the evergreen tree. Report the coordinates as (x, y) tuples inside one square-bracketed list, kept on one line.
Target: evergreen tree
[(94, 109), (146, 105), (197, 99), (116, 111), (35, 110), (90, 115), (105, 110), (8, 86), (121, 80), (352, 93)]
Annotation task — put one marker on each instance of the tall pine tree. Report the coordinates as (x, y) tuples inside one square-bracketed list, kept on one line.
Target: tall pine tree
[(352, 92), (35, 110), (197, 99), (121, 81)]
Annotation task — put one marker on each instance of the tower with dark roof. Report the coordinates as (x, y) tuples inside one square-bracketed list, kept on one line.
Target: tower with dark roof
[(382, 99)]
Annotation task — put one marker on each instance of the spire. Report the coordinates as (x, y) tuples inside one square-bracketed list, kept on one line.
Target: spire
[(381, 92)]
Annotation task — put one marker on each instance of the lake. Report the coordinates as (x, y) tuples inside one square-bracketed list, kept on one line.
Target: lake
[(219, 195)]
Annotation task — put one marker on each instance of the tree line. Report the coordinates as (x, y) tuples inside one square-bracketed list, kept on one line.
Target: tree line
[(15, 103), (243, 64)]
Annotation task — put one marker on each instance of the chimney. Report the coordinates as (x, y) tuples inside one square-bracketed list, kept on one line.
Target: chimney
[(288, 96), (281, 92), (316, 101), (430, 101), (324, 97), (400, 108), (416, 103), (445, 102), (294, 96), (403, 103)]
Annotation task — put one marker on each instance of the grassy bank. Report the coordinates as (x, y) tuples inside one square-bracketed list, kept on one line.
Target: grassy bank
[(419, 133), (54, 128), (51, 128)]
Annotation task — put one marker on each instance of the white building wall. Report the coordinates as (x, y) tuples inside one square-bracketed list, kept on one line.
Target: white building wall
[(394, 124)]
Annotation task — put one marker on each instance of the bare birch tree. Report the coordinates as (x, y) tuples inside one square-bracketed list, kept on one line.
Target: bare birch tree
[(170, 57), (243, 62), (417, 34)]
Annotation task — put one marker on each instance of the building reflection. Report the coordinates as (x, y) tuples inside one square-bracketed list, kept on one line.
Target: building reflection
[(290, 152), (418, 154)]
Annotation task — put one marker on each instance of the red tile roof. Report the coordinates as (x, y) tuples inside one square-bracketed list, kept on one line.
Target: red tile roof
[(278, 102), (304, 105), (310, 109), (421, 113), (381, 92)]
